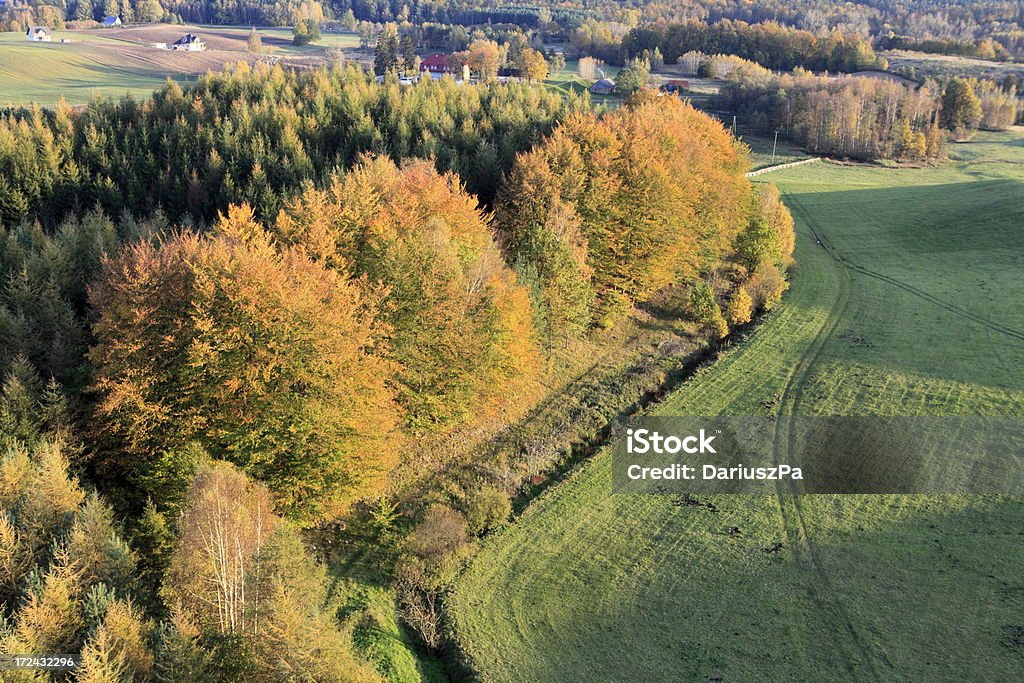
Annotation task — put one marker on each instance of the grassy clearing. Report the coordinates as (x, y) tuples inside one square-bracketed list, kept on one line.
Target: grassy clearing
[(568, 81), (923, 265), (376, 632), (926, 64)]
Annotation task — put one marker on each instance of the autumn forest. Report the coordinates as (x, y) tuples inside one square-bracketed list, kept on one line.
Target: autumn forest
[(288, 343), (290, 284)]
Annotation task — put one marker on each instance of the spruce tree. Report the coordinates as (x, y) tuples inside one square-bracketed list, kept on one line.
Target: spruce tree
[(408, 53), (961, 108), (385, 54)]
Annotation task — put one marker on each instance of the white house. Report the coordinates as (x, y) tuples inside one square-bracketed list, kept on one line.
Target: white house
[(189, 42), (39, 34), (111, 22)]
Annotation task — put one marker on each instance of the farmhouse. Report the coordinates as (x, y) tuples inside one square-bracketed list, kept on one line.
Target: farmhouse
[(436, 66), (111, 21), (189, 42), (676, 86), (39, 34), (605, 86)]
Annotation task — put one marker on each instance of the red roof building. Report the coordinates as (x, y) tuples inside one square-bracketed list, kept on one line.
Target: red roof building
[(676, 86), (436, 64)]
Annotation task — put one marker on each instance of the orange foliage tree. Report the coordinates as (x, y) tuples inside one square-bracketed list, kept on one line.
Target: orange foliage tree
[(657, 190), (461, 330), (262, 356)]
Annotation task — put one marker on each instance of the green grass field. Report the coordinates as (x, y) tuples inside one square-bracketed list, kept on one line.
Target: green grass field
[(93, 65), (113, 63), (934, 66), (568, 81), (280, 39), (923, 267)]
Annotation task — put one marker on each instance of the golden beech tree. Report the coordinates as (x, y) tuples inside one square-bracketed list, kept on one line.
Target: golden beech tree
[(460, 326), (658, 192), (260, 355), (483, 57), (532, 65)]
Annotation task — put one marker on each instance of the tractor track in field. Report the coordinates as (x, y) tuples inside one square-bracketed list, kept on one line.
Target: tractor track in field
[(788, 501), (857, 268)]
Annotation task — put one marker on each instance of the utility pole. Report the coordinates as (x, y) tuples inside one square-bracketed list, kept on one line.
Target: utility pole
[(734, 125), (774, 145)]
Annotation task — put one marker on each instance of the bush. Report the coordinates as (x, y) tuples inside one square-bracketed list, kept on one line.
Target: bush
[(705, 310), (741, 307), (433, 554), (442, 533), (485, 509), (766, 286)]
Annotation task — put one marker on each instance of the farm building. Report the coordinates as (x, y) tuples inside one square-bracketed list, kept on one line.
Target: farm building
[(39, 34), (605, 86), (506, 75), (676, 86), (437, 66), (189, 42), (111, 21)]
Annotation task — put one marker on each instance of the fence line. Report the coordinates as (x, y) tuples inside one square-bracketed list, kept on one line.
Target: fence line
[(791, 164)]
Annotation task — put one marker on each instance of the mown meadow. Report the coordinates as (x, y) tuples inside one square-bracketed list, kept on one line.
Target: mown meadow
[(905, 301)]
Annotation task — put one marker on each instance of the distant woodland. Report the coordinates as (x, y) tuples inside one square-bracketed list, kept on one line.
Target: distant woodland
[(990, 30), (865, 118)]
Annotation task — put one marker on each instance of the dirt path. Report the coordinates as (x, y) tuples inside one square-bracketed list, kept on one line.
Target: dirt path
[(853, 649)]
